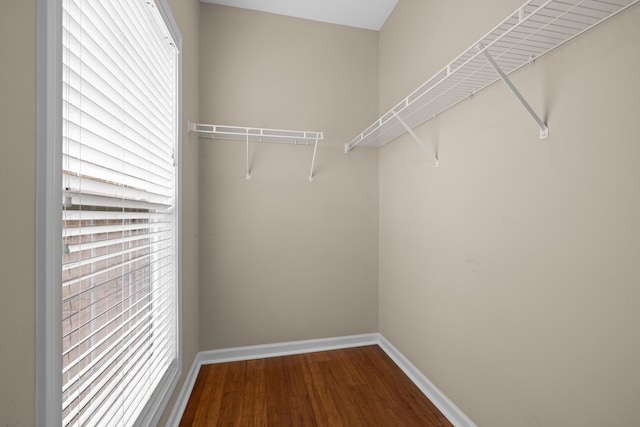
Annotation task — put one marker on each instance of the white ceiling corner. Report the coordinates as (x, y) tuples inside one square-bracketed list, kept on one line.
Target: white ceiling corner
[(368, 14)]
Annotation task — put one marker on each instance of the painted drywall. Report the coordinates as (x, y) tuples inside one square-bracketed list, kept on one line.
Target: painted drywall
[(18, 171), (282, 258), (17, 228), (509, 275)]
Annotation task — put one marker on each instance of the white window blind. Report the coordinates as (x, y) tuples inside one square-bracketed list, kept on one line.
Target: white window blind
[(119, 233)]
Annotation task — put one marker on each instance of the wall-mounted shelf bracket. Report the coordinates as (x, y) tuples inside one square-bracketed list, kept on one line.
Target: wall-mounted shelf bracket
[(248, 175), (247, 135), (537, 27), (313, 160), (544, 130), (436, 162)]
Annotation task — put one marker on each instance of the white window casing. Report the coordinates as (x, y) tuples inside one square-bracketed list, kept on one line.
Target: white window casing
[(108, 212)]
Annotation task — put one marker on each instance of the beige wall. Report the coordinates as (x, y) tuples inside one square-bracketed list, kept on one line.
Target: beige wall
[(281, 258), (18, 173), (509, 275), (17, 228)]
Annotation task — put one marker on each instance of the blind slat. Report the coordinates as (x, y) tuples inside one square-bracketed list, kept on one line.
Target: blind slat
[(108, 289), (122, 364), (119, 346), (103, 405), (97, 168), (119, 137), (108, 114), (147, 236), (120, 145), (113, 215), (113, 189), (97, 260), (89, 230), (129, 166), (107, 326), (78, 199)]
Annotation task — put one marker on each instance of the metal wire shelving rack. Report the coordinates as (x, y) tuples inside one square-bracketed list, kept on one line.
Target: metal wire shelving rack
[(534, 29), (250, 134)]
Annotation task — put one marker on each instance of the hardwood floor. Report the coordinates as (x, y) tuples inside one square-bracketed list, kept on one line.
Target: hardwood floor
[(351, 387)]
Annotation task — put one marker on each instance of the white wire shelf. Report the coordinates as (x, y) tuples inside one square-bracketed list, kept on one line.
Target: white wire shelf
[(250, 134), (531, 31), (238, 133)]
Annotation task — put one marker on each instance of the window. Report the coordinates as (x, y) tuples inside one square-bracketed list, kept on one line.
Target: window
[(108, 212)]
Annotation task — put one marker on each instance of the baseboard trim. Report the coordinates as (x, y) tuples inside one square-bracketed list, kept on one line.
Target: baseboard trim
[(448, 408), (185, 393), (260, 352), (286, 348), (439, 399)]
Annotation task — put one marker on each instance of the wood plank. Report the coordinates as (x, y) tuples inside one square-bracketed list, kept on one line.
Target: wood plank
[(254, 414), (351, 387)]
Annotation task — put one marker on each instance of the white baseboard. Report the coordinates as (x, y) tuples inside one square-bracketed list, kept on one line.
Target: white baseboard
[(185, 393), (286, 348), (442, 402), (448, 408), (260, 352)]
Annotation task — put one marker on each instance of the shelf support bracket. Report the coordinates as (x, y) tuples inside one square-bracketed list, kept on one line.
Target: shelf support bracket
[(544, 130), (313, 161), (248, 175), (415, 137)]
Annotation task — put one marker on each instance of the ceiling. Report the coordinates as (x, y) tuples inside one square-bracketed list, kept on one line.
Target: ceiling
[(369, 14)]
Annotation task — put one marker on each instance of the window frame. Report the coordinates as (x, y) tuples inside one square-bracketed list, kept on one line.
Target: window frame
[(49, 222)]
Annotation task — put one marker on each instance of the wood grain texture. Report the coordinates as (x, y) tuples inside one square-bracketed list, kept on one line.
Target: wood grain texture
[(350, 387)]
